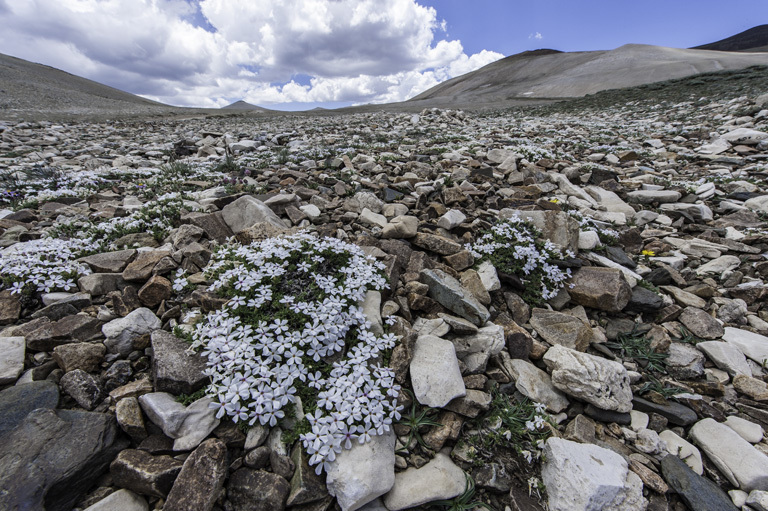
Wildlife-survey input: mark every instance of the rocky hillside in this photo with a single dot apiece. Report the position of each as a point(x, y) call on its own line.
point(753, 40)
point(548, 74)
point(558, 309)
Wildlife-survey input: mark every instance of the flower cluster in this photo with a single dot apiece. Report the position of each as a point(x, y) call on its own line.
point(293, 328)
point(513, 247)
point(42, 265)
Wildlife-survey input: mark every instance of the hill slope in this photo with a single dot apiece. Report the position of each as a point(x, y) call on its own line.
point(753, 40)
point(550, 74)
point(243, 105)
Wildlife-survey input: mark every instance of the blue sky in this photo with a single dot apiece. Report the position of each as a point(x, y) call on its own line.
point(298, 54)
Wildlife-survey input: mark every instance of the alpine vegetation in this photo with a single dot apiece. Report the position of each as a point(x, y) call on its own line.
point(514, 247)
point(292, 329)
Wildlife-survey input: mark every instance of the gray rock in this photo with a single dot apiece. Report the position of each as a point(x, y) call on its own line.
point(306, 485)
point(435, 373)
point(12, 361)
point(748, 430)
point(362, 200)
point(80, 355)
point(130, 418)
point(109, 262)
point(696, 491)
point(449, 293)
point(440, 479)
point(701, 324)
point(174, 368)
point(676, 413)
point(83, 387)
point(121, 500)
point(684, 450)
point(536, 384)
point(248, 211)
point(143, 473)
point(401, 227)
point(604, 289)
point(187, 425)
point(256, 490)
point(699, 212)
point(744, 136)
point(602, 382)
point(122, 332)
point(66, 450)
point(372, 309)
point(726, 356)
point(743, 465)
point(651, 196)
point(201, 479)
point(99, 284)
point(362, 473)
point(684, 361)
point(450, 219)
point(16, 402)
point(561, 329)
point(586, 477)
point(754, 346)
point(475, 350)
point(719, 266)
point(556, 226)
point(758, 500)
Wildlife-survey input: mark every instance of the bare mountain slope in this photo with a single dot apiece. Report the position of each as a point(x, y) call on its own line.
point(549, 74)
point(243, 105)
point(752, 40)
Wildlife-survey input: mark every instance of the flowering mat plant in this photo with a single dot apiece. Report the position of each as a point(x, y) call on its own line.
point(293, 328)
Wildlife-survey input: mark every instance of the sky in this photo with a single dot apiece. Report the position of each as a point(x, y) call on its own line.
point(300, 54)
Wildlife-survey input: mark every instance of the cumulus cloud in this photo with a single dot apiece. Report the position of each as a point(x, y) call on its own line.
point(209, 52)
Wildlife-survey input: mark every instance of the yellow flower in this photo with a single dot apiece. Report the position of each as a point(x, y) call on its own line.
point(648, 253)
point(554, 201)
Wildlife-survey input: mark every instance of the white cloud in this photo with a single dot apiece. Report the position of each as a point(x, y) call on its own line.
point(536, 36)
point(354, 50)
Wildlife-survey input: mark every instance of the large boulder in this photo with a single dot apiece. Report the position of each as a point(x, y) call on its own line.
point(17, 401)
point(54, 456)
point(586, 477)
point(596, 380)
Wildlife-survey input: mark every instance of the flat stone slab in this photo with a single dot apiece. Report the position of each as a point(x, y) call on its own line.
point(726, 356)
point(435, 373)
point(439, 479)
point(754, 346)
point(449, 293)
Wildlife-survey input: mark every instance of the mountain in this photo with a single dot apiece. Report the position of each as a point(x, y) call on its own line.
point(543, 74)
point(753, 40)
point(242, 105)
point(26, 87)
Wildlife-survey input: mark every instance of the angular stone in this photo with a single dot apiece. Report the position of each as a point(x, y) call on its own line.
point(719, 266)
point(743, 465)
point(130, 418)
point(602, 382)
point(10, 307)
point(684, 450)
point(452, 218)
point(83, 387)
point(109, 262)
point(362, 473)
point(248, 211)
point(475, 350)
point(212, 223)
point(435, 373)
point(99, 284)
point(174, 368)
point(401, 227)
point(256, 490)
point(752, 387)
point(754, 346)
point(201, 478)
point(471, 405)
point(701, 324)
point(726, 356)
point(748, 430)
point(696, 491)
point(17, 401)
point(600, 288)
point(453, 296)
point(437, 244)
point(651, 196)
point(556, 226)
point(80, 327)
point(143, 473)
point(562, 329)
point(586, 477)
point(12, 360)
point(676, 413)
point(140, 269)
point(188, 425)
point(122, 332)
point(306, 485)
point(155, 290)
point(536, 385)
point(121, 500)
point(684, 361)
point(440, 479)
point(80, 355)
point(684, 298)
point(65, 450)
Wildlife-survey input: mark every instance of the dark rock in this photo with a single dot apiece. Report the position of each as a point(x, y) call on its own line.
point(10, 307)
point(696, 491)
point(201, 479)
point(644, 300)
point(174, 370)
point(155, 290)
point(83, 387)
point(281, 465)
point(56, 311)
point(143, 473)
point(617, 255)
point(306, 485)
point(494, 477)
point(256, 490)
point(607, 416)
point(600, 288)
point(258, 458)
point(16, 402)
point(53, 457)
point(118, 374)
point(212, 223)
point(677, 414)
point(79, 327)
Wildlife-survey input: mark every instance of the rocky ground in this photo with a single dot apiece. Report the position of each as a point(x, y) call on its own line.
point(621, 365)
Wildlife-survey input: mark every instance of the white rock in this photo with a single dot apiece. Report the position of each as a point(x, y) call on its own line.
point(248, 211)
point(748, 430)
point(612, 202)
point(439, 479)
point(684, 450)
point(12, 359)
point(596, 380)
point(698, 212)
point(588, 240)
point(188, 426)
point(744, 136)
point(121, 500)
point(716, 147)
point(435, 372)
point(452, 218)
point(719, 266)
point(374, 219)
point(743, 465)
point(476, 349)
point(437, 327)
point(639, 420)
point(758, 500)
point(404, 226)
point(312, 211)
point(759, 204)
point(488, 276)
point(372, 310)
point(754, 346)
point(121, 332)
point(362, 473)
point(726, 356)
point(586, 477)
point(650, 196)
point(536, 385)
point(648, 441)
point(738, 497)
